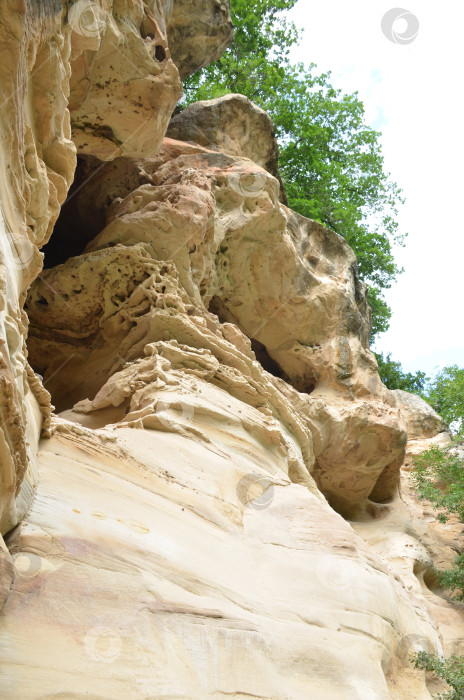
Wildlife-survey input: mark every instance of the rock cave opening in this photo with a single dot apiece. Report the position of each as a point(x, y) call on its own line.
point(266, 360)
point(73, 230)
point(219, 309)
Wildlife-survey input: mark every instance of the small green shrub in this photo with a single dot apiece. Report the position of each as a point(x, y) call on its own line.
point(450, 670)
point(438, 477)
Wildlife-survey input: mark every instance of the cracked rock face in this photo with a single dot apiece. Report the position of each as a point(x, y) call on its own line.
point(207, 351)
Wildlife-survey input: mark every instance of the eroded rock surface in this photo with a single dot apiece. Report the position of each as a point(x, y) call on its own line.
point(127, 63)
point(124, 83)
point(208, 351)
point(149, 576)
point(110, 63)
point(37, 161)
point(285, 282)
point(425, 426)
point(232, 125)
point(198, 32)
point(407, 533)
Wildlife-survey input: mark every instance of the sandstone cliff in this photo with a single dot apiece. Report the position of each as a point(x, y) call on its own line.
point(217, 507)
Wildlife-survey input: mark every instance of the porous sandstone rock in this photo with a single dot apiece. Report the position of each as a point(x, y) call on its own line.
point(425, 426)
point(407, 533)
point(170, 555)
point(198, 32)
point(124, 83)
point(287, 283)
point(127, 63)
point(37, 164)
point(233, 125)
point(108, 63)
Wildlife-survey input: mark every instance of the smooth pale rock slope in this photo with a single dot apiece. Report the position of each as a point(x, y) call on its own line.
point(104, 72)
point(178, 531)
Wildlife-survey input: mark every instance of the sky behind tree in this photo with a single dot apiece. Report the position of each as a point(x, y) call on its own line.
point(412, 91)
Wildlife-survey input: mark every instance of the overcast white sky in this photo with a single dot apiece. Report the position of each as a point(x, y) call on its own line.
point(413, 94)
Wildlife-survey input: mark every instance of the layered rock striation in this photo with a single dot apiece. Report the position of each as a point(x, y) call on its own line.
point(218, 508)
point(285, 283)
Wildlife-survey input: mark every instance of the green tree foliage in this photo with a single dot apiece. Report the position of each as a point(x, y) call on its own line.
point(446, 395)
point(330, 160)
point(438, 477)
point(450, 670)
point(392, 375)
point(453, 578)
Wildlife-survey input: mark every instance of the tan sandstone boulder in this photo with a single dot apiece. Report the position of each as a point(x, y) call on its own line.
point(425, 426)
point(233, 125)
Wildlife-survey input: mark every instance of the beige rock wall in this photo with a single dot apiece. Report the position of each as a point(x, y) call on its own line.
point(286, 282)
point(110, 62)
point(37, 161)
point(207, 350)
point(406, 532)
point(143, 573)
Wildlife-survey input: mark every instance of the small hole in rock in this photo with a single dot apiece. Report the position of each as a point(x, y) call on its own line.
point(160, 54)
point(265, 359)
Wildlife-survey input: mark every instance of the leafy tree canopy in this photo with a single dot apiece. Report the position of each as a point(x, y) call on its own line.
point(438, 477)
point(446, 395)
point(394, 377)
point(330, 159)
